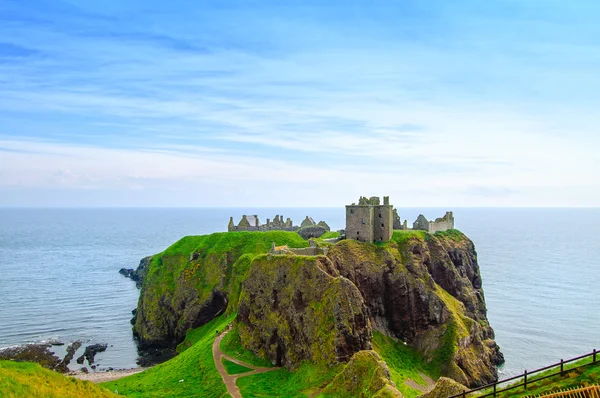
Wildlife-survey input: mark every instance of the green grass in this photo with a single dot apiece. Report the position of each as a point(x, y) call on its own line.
point(26, 379)
point(572, 378)
point(453, 234)
point(195, 366)
point(404, 363)
point(233, 368)
point(330, 235)
point(309, 379)
point(232, 346)
point(403, 236)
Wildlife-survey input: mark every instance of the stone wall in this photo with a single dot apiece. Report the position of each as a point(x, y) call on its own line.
point(442, 224)
point(359, 223)
point(383, 221)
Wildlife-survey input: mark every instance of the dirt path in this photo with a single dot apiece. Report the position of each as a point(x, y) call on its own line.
point(228, 379)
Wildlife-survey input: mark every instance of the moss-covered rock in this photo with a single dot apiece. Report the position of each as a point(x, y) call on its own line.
point(294, 308)
point(426, 290)
point(365, 375)
point(196, 279)
point(444, 388)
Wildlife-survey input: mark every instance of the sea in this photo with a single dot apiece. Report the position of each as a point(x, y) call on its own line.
point(59, 273)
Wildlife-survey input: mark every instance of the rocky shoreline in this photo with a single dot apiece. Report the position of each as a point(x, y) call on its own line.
point(45, 354)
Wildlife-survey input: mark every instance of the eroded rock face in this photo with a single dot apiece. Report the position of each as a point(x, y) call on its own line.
point(295, 308)
point(163, 317)
point(428, 293)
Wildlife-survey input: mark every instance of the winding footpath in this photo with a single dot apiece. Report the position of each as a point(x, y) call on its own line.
point(228, 379)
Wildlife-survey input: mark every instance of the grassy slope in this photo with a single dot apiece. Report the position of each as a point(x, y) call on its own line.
point(195, 365)
point(233, 368)
point(572, 378)
point(404, 363)
point(238, 247)
point(232, 346)
point(25, 379)
point(310, 378)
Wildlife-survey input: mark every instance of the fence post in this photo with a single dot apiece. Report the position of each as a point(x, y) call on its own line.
point(561, 367)
point(525, 380)
point(495, 384)
point(594, 361)
point(464, 394)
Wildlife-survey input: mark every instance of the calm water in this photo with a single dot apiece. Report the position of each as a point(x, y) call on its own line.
point(59, 273)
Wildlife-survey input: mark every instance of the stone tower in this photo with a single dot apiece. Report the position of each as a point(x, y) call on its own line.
point(370, 221)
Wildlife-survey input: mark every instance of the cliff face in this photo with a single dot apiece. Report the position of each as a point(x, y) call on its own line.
point(194, 280)
point(294, 308)
point(423, 289)
point(426, 290)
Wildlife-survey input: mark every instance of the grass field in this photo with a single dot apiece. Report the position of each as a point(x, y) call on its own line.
point(233, 368)
point(404, 363)
point(26, 379)
point(309, 379)
point(195, 366)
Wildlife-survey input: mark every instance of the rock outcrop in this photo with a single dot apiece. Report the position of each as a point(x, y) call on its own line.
point(294, 308)
point(426, 290)
point(444, 388)
point(366, 375)
point(195, 280)
point(137, 275)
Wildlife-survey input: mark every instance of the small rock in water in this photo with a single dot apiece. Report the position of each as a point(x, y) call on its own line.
point(85, 370)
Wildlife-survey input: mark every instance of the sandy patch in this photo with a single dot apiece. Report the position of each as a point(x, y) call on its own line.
point(101, 377)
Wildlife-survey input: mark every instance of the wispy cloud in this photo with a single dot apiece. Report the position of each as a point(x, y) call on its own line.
point(437, 104)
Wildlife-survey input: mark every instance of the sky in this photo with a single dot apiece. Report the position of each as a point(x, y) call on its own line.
point(299, 103)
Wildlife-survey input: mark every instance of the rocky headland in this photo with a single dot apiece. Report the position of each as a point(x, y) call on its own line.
point(421, 289)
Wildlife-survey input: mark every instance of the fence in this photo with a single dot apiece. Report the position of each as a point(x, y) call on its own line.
point(526, 377)
point(581, 392)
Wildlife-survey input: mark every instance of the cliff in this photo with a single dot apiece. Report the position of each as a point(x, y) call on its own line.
point(420, 288)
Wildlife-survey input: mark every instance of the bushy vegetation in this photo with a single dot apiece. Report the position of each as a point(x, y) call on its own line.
point(25, 379)
point(195, 366)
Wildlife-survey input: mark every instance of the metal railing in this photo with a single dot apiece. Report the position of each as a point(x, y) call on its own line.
point(526, 377)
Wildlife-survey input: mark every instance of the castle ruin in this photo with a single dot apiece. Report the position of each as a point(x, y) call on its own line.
point(440, 224)
point(252, 223)
point(370, 221)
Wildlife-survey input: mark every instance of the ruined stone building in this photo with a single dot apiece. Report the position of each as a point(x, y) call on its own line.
point(440, 224)
point(370, 221)
point(252, 223)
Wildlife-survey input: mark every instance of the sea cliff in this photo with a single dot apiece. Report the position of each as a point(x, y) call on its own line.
point(421, 289)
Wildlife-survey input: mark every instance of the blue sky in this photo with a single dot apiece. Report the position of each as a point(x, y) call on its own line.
point(299, 103)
